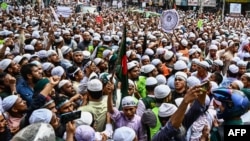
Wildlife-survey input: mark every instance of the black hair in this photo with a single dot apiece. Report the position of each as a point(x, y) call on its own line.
point(218, 77)
point(95, 94)
point(27, 69)
point(71, 70)
point(2, 76)
point(150, 87)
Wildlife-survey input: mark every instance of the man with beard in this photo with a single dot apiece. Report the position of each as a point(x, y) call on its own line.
point(202, 72)
point(101, 64)
point(67, 57)
point(86, 44)
point(78, 58)
point(68, 41)
point(66, 88)
point(16, 108)
point(53, 57)
point(30, 75)
point(10, 67)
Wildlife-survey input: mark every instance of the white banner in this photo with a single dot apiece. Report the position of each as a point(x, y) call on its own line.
point(64, 11)
point(205, 3)
point(235, 8)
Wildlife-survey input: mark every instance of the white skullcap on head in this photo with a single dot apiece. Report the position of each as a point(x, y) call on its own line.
point(218, 62)
point(195, 46)
point(160, 51)
point(130, 82)
point(128, 53)
point(161, 79)
point(131, 65)
point(193, 81)
point(40, 115)
point(149, 52)
point(247, 74)
point(85, 133)
point(128, 101)
point(181, 75)
point(94, 85)
point(161, 91)
point(65, 50)
point(235, 59)
point(105, 53)
point(180, 65)
point(86, 119)
point(124, 134)
point(239, 84)
point(241, 63)
point(151, 81)
point(191, 51)
point(58, 70)
point(204, 64)
point(167, 109)
point(145, 57)
point(233, 68)
point(224, 43)
point(4, 64)
point(97, 61)
point(8, 102)
point(86, 54)
point(156, 62)
point(62, 83)
point(168, 55)
point(213, 47)
point(148, 68)
point(184, 42)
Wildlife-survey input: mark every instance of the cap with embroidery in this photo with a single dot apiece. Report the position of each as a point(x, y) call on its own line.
point(181, 75)
point(65, 50)
point(128, 101)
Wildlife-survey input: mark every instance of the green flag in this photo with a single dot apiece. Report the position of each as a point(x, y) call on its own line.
point(4, 6)
point(122, 61)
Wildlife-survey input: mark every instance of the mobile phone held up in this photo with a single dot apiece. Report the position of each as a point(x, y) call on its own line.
point(205, 86)
point(70, 116)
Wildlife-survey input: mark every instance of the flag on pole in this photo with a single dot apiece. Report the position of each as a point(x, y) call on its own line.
point(122, 61)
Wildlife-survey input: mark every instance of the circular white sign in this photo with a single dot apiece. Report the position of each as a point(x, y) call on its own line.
point(169, 20)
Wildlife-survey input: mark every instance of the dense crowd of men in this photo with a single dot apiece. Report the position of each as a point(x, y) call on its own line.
point(182, 85)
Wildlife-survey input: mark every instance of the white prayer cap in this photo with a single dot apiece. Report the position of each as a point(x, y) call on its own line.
point(180, 65)
point(85, 119)
point(213, 47)
point(168, 55)
point(160, 51)
point(145, 57)
point(218, 62)
point(204, 64)
point(8, 102)
point(233, 68)
point(224, 43)
point(131, 65)
point(181, 75)
point(65, 50)
point(86, 54)
point(94, 85)
point(40, 115)
point(241, 63)
point(156, 62)
point(107, 38)
point(42, 54)
point(128, 101)
point(191, 51)
point(151, 81)
point(29, 47)
point(193, 81)
point(239, 84)
point(58, 70)
point(17, 59)
point(62, 83)
point(161, 91)
point(167, 110)
point(105, 53)
point(184, 42)
point(236, 59)
point(97, 61)
point(96, 38)
point(149, 52)
point(148, 68)
point(47, 65)
point(138, 45)
point(124, 134)
point(128, 53)
point(4, 64)
point(161, 79)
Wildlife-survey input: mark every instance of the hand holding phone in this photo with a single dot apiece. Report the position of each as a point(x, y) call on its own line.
point(205, 86)
point(70, 116)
